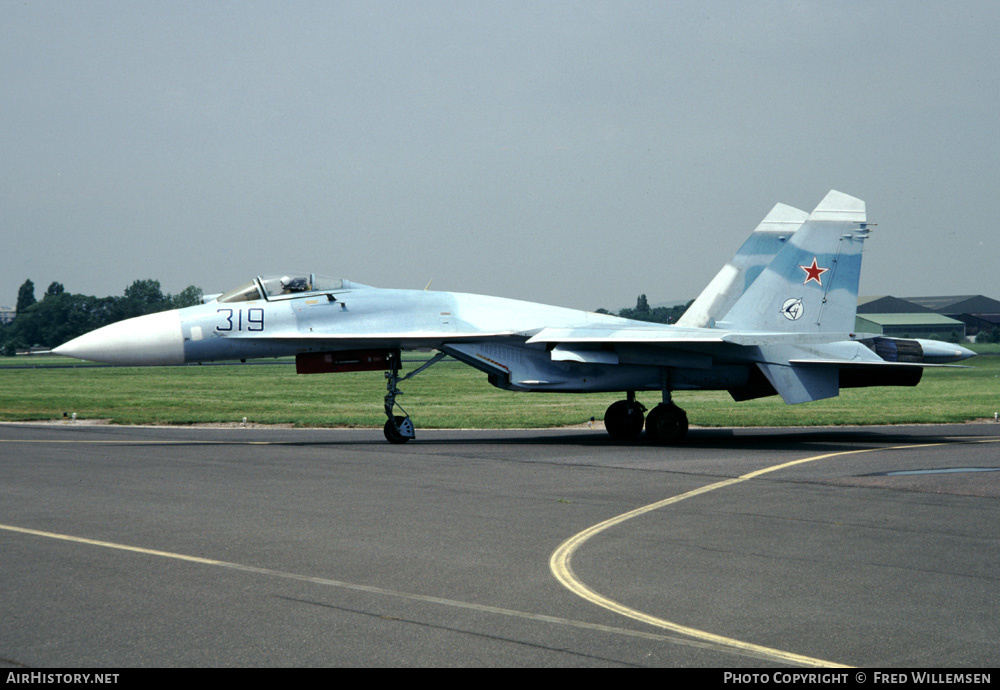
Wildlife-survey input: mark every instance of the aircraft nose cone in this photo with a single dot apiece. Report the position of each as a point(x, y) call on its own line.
point(149, 339)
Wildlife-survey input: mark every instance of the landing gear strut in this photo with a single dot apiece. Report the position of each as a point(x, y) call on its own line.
point(399, 428)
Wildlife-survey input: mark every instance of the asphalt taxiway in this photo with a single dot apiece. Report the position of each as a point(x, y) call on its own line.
point(154, 546)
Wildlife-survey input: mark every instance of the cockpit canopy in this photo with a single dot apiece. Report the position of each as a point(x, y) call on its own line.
point(281, 286)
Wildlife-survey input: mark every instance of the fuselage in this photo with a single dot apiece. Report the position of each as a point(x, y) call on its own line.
point(521, 345)
point(348, 317)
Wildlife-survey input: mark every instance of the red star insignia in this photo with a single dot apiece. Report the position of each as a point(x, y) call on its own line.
point(813, 272)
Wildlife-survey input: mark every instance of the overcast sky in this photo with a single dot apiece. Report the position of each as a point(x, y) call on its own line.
point(573, 153)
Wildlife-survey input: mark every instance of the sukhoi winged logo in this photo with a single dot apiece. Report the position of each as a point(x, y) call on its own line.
point(792, 308)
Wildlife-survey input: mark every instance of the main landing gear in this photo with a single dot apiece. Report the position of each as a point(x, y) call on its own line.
point(665, 424)
point(399, 428)
point(624, 419)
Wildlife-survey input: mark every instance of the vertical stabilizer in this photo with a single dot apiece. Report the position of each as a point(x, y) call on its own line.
point(736, 276)
point(811, 284)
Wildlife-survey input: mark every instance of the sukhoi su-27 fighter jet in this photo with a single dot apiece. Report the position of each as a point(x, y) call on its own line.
point(778, 319)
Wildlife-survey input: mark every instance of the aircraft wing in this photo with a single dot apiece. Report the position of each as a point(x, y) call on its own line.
point(666, 335)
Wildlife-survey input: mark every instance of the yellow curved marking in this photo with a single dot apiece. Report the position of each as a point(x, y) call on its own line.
point(560, 566)
point(481, 608)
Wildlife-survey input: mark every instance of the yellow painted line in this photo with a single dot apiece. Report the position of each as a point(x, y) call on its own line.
point(481, 608)
point(560, 561)
point(148, 442)
point(110, 545)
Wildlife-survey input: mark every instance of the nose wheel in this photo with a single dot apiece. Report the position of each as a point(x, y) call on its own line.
point(398, 429)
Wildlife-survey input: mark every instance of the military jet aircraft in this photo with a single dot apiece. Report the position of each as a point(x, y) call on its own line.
point(778, 319)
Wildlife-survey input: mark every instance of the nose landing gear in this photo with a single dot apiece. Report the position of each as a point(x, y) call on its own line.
point(399, 428)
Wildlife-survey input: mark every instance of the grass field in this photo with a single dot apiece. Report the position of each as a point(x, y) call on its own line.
point(448, 395)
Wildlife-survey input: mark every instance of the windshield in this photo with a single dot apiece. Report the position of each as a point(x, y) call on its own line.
point(282, 285)
point(244, 293)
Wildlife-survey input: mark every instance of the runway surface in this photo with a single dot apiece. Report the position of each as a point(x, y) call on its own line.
point(155, 546)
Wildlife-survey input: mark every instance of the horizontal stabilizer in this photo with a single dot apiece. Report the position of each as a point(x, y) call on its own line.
point(796, 384)
point(875, 365)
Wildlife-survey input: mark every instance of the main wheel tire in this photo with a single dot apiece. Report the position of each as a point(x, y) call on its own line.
point(667, 424)
point(623, 420)
point(391, 430)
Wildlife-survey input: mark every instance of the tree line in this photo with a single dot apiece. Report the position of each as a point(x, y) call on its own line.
point(60, 316)
point(643, 312)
